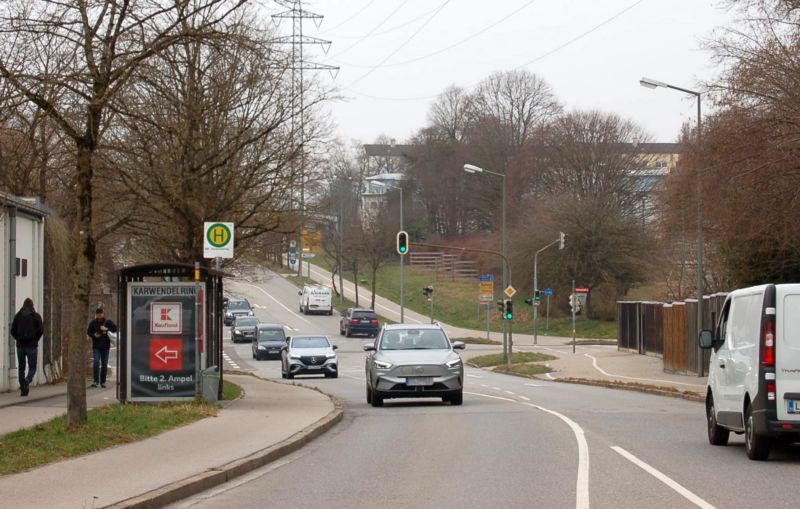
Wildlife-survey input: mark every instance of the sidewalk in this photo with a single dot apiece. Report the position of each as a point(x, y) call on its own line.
point(601, 364)
point(272, 417)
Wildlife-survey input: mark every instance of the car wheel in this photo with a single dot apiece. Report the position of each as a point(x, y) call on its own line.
point(330, 313)
point(333, 375)
point(455, 399)
point(717, 435)
point(369, 395)
point(377, 399)
point(756, 446)
point(347, 333)
point(305, 310)
point(341, 331)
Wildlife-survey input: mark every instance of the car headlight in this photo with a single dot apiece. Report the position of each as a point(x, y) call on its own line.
point(250, 313)
point(228, 314)
point(237, 331)
point(330, 356)
point(453, 364)
point(381, 364)
point(295, 357)
point(262, 347)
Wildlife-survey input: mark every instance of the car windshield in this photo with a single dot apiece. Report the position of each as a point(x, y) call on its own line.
point(310, 343)
point(363, 314)
point(246, 321)
point(414, 339)
point(238, 305)
point(270, 335)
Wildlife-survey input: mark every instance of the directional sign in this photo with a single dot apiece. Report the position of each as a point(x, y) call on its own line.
point(548, 292)
point(510, 291)
point(161, 340)
point(308, 255)
point(166, 354)
point(582, 290)
point(218, 240)
point(486, 278)
point(486, 289)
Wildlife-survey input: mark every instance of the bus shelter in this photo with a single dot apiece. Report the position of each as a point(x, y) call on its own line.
point(170, 331)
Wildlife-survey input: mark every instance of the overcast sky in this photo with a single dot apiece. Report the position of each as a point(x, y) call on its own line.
point(396, 56)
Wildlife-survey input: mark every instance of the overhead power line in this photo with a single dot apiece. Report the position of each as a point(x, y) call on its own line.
point(389, 30)
point(402, 45)
point(447, 48)
point(529, 62)
point(349, 18)
point(375, 28)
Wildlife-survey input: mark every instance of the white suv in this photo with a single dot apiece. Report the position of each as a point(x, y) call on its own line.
point(754, 376)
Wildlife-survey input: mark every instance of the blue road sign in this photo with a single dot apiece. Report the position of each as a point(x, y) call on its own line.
point(292, 249)
point(548, 292)
point(487, 278)
point(292, 258)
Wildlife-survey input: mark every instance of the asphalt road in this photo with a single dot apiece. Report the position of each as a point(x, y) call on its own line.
point(514, 443)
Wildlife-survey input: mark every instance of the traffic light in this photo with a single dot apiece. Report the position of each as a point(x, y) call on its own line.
point(529, 302)
point(501, 308)
point(562, 240)
point(508, 309)
point(402, 242)
point(537, 295)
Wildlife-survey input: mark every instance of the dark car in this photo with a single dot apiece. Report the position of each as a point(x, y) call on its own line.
point(237, 307)
point(244, 329)
point(359, 321)
point(270, 338)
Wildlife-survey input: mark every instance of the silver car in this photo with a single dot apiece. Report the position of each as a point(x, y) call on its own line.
point(414, 361)
point(309, 355)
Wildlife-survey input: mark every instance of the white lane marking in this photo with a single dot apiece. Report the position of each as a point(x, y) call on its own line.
point(473, 376)
point(360, 379)
point(497, 388)
point(510, 393)
point(582, 483)
point(688, 495)
point(484, 385)
point(377, 304)
point(548, 375)
point(281, 304)
point(524, 398)
point(535, 385)
point(230, 361)
point(606, 373)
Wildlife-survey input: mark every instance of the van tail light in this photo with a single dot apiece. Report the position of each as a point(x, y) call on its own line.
point(353, 321)
point(375, 322)
point(771, 391)
point(768, 342)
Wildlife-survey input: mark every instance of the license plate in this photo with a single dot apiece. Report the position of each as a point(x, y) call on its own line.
point(419, 380)
point(364, 321)
point(315, 367)
point(272, 351)
point(793, 406)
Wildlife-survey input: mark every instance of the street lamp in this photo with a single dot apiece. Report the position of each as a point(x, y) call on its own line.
point(651, 83)
point(402, 278)
point(471, 168)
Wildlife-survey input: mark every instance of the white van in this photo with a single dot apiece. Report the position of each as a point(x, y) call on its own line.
point(316, 299)
point(754, 376)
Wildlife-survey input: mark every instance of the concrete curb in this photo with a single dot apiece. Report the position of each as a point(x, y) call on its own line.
point(195, 484)
point(613, 384)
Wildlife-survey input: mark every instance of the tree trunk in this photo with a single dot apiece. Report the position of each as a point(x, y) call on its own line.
point(355, 281)
point(81, 284)
point(374, 277)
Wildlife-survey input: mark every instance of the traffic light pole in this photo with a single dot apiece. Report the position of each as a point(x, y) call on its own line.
point(536, 288)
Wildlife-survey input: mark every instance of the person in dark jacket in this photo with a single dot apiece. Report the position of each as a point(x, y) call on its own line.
point(101, 345)
point(27, 330)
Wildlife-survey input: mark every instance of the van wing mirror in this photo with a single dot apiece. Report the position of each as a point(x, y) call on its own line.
point(299, 292)
point(706, 339)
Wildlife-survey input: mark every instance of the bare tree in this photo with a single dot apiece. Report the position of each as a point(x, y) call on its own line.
point(72, 59)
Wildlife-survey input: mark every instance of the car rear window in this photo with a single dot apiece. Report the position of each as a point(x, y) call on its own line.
point(364, 314)
point(271, 335)
point(238, 305)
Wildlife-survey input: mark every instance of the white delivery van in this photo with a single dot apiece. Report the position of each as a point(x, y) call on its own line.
point(754, 375)
point(316, 299)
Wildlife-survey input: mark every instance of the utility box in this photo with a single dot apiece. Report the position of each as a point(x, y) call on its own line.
point(210, 380)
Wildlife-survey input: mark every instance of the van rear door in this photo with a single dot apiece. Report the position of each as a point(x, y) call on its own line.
point(787, 355)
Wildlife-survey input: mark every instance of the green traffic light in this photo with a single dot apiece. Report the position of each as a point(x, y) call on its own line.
point(509, 316)
point(402, 249)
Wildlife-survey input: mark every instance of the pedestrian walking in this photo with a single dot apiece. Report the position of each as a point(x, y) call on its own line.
point(27, 330)
point(101, 345)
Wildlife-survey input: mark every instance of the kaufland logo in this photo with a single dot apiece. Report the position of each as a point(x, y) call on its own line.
point(165, 318)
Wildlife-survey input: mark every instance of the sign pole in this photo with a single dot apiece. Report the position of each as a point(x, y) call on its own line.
point(547, 321)
point(574, 305)
point(488, 318)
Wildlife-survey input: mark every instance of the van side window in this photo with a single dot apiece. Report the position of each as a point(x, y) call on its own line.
point(723, 322)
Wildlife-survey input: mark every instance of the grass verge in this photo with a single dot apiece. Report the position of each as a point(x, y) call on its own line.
point(526, 370)
point(231, 391)
point(494, 359)
point(106, 427)
point(456, 303)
